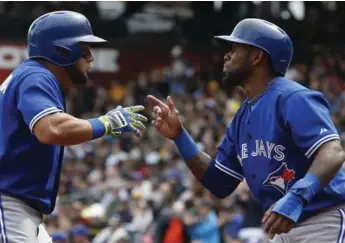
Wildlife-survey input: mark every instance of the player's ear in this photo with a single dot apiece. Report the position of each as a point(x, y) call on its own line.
point(257, 56)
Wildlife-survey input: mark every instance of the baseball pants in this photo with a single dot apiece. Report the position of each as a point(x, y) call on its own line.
point(325, 227)
point(20, 223)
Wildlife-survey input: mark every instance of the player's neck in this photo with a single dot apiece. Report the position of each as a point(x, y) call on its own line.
point(65, 82)
point(59, 74)
point(254, 87)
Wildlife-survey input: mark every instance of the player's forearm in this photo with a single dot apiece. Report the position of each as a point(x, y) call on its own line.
point(325, 166)
point(328, 161)
point(72, 131)
point(64, 129)
point(197, 161)
point(199, 164)
point(204, 169)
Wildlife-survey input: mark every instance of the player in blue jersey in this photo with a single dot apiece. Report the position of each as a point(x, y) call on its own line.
point(34, 125)
point(282, 141)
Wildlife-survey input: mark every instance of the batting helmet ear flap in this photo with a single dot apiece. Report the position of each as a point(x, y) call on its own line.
point(63, 51)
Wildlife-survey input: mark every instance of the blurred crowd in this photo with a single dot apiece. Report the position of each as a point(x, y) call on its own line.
point(137, 190)
point(191, 23)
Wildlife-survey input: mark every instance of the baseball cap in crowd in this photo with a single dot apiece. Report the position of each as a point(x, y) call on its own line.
point(172, 174)
point(80, 230)
point(59, 236)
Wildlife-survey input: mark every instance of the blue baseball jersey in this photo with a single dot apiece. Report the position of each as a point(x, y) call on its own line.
point(272, 143)
point(29, 170)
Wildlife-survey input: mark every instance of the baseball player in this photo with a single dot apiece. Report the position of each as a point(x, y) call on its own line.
point(282, 141)
point(34, 125)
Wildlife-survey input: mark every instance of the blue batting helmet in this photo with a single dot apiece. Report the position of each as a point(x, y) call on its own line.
point(56, 37)
point(268, 37)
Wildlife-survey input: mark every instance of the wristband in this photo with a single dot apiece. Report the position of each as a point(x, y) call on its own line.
point(98, 129)
point(186, 145)
point(290, 206)
point(307, 187)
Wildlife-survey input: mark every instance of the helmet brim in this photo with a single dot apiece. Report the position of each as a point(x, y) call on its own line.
point(92, 40)
point(228, 39)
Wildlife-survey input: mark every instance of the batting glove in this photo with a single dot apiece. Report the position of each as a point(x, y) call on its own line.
point(122, 120)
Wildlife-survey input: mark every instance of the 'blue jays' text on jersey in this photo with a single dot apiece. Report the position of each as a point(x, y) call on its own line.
point(29, 170)
point(272, 143)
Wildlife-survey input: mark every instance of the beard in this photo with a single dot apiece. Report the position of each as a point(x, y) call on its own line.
point(236, 77)
point(75, 75)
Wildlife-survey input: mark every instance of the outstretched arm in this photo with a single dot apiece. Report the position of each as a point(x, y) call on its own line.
point(40, 102)
point(199, 164)
point(63, 129)
point(220, 175)
point(220, 183)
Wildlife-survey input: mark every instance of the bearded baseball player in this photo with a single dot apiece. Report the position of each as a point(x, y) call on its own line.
point(34, 125)
point(282, 141)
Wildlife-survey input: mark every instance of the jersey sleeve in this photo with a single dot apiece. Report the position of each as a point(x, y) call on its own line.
point(225, 172)
point(38, 96)
point(226, 159)
point(306, 113)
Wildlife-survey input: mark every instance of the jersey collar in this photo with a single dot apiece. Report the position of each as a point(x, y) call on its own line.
point(261, 94)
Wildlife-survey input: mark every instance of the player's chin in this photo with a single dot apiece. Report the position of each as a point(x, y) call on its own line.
point(85, 76)
point(82, 79)
point(228, 80)
point(235, 78)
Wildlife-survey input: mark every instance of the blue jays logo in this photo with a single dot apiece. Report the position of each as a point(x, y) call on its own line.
point(280, 178)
